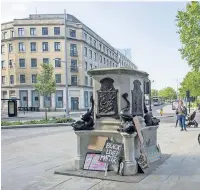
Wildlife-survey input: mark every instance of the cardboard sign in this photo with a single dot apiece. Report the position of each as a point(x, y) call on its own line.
point(111, 152)
point(97, 143)
point(137, 126)
point(153, 153)
point(92, 163)
point(142, 161)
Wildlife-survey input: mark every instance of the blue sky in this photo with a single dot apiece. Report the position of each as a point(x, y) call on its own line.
point(148, 28)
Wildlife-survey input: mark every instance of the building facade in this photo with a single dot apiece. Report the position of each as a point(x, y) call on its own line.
point(28, 42)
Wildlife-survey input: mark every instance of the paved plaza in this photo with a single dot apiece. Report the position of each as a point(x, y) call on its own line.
point(30, 157)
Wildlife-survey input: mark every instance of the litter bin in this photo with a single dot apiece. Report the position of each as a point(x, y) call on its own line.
point(12, 108)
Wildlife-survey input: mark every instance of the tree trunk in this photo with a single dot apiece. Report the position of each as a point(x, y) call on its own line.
point(45, 108)
point(45, 113)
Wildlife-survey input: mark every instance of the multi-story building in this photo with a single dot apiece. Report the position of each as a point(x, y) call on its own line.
point(28, 42)
point(126, 52)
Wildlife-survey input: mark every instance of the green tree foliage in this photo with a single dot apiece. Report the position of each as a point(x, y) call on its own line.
point(154, 92)
point(191, 82)
point(168, 93)
point(46, 84)
point(188, 23)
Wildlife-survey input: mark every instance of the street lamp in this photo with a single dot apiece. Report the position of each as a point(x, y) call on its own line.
point(150, 94)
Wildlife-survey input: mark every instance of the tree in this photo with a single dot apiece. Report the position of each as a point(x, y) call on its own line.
point(191, 82)
point(188, 23)
point(46, 84)
point(167, 93)
point(154, 92)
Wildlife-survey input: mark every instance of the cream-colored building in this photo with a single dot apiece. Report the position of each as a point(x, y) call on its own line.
point(28, 42)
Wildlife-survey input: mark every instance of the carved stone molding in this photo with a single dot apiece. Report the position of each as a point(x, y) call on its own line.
point(137, 99)
point(107, 99)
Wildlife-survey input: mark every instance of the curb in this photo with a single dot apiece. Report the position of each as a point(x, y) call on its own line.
point(164, 116)
point(36, 125)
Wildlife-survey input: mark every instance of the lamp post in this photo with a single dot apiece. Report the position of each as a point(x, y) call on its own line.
point(150, 94)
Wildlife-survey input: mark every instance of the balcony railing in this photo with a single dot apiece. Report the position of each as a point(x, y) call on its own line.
point(74, 69)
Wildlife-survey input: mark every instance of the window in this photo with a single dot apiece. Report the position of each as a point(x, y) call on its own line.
point(113, 64)
point(11, 63)
point(91, 82)
point(86, 80)
point(45, 46)
point(100, 47)
point(73, 80)
point(90, 53)
point(32, 31)
point(95, 56)
point(90, 40)
point(86, 99)
point(33, 62)
point(59, 99)
point(2, 49)
point(11, 79)
point(22, 79)
point(110, 53)
point(34, 78)
point(10, 48)
point(3, 79)
point(95, 43)
point(73, 50)
point(22, 63)
point(44, 31)
point(86, 66)
point(3, 65)
point(85, 36)
point(57, 46)
point(85, 51)
point(46, 60)
point(107, 51)
point(90, 66)
point(33, 46)
point(21, 47)
point(56, 30)
point(57, 62)
point(20, 31)
point(11, 33)
point(107, 63)
point(103, 48)
point(100, 59)
point(4, 35)
point(72, 33)
point(58, 78)
point(110, 64)
point(74, 67)
point(104, 60)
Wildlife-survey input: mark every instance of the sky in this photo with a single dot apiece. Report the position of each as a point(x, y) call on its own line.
point(147, 28)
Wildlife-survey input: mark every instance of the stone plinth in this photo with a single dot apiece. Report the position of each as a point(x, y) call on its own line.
point(109, 84)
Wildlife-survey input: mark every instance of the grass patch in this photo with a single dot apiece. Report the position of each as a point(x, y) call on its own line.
point(42, 121)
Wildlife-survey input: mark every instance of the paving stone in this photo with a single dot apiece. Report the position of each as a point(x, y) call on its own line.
point(76, 183)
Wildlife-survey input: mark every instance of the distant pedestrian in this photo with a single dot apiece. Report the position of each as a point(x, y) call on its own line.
point(182, 113)
point(177, 118)
point(161, 111)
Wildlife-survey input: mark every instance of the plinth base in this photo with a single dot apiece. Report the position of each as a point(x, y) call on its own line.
point(111, 175)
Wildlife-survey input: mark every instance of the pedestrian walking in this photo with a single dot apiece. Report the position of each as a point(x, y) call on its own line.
point(177, 118)
point(182, 113)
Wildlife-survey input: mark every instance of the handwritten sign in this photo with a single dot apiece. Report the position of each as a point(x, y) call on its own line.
point(92, 162)
point(111, 152)
point(142, 161)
